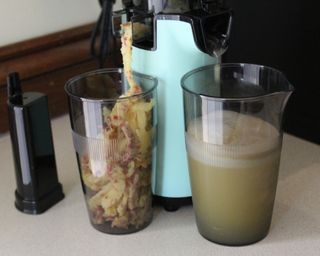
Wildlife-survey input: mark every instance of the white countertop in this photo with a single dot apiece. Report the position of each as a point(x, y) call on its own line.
point(65, 229)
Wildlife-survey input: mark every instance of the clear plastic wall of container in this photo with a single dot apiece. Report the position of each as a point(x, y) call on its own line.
point(233, 130)
point(114, 134)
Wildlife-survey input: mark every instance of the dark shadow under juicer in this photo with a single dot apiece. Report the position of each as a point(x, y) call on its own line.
point(38, 187)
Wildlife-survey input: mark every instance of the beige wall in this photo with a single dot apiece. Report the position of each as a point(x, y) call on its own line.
point(25, 19)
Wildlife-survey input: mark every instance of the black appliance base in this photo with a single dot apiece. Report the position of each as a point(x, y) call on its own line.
point(171, 204)
point(41, 205)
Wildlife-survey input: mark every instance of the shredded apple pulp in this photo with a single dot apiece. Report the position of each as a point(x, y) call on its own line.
point(122, 195)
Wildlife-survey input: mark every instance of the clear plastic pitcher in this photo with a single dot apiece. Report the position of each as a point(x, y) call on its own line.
point(114, 135)
point(233, 132)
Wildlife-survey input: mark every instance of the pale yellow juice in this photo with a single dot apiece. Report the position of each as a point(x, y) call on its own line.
point(234, 179)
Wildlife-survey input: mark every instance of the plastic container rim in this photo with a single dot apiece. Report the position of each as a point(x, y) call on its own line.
point(108, 100)
point(229, 65)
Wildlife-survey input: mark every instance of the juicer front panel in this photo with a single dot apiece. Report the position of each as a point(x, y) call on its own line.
point(176, 53)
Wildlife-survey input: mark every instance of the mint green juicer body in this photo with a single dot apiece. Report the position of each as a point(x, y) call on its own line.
point(175, 53)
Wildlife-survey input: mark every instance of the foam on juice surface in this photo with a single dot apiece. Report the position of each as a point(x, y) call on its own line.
point(229, 139)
